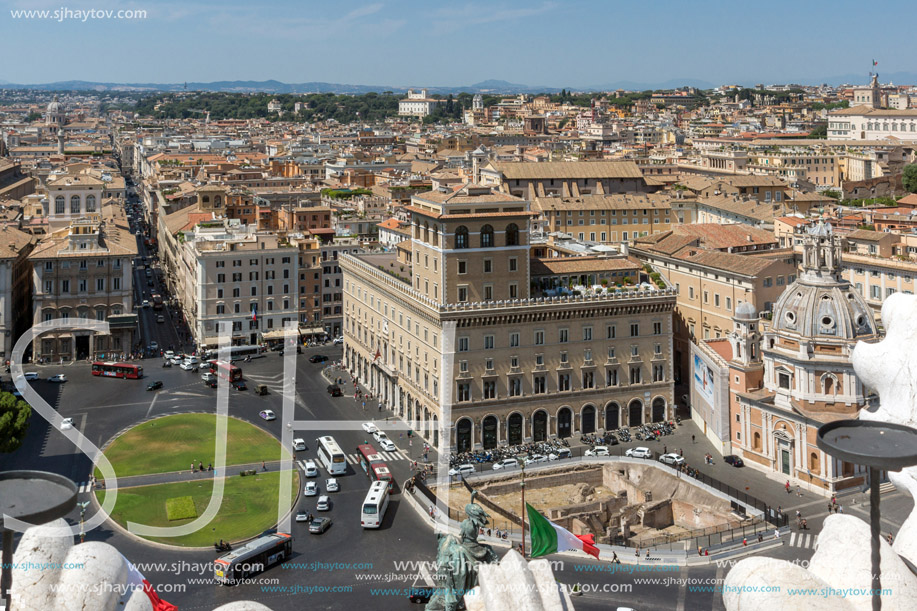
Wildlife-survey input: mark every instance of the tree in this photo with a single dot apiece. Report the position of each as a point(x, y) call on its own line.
point(820, 131)
point(14, 421)
point(909, 178)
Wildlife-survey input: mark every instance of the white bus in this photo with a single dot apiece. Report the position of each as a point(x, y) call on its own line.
point(331, 455)
point(237, 353)
point(374, 505)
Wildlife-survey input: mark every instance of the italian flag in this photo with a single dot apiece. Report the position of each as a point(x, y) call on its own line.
point(549, 538)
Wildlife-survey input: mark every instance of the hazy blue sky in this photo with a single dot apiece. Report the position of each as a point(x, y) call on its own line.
point(559, 43)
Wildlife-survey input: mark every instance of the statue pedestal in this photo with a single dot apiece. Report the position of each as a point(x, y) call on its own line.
point(514, 584)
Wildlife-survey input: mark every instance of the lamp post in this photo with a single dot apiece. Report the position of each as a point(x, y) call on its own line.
point(35, 497)
point(877, 445)
point(521, 462)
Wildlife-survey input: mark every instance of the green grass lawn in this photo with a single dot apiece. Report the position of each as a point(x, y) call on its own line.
point(172, 443)
point(249, 507)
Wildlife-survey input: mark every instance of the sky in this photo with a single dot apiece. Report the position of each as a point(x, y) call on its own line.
point(553, 43)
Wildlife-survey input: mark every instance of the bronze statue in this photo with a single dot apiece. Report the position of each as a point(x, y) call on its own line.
point(457, 560)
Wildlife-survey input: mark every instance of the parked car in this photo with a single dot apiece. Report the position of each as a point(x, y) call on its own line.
point(299, 444)
point(387, 445)
point(463, 470)
point(31, 375)
point(267, 414)
point(369, 427)
point(66, 423)
point(535, 459)
point(640, 452)
point(506, 463)
point(311, 489)
point(597, 451)
point(310, 469)
point(319, 525)
point(672, 459)
point(59, 378)
point(154, 385)
point(335, 391)
point(238, 384)
point(317, 358)
point(324, 503)
point(560, 453)
point(331, 485)
point(732, 459)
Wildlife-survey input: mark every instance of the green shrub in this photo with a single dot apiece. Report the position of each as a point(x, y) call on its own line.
point(180, 508)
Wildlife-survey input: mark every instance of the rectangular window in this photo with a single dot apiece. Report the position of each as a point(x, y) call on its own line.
point(563, 381)
point(610, 332)
point(513, 264)
point(462, 267)
point(611, 377)
point(634, 329)
point(513, 340)
point(490, 389)
point(716, 300)
point(634, 375)
point(657, 328)
point(690, 292)
point(658, 373)
point(463, 392)
point(488, 292)
point(563, 358)
point(587, 334)
point(515, 387)
point(488, 342)
point(463, 344)
point(463, 293)
point(488, 266)
point(562, 336)
point(729, 303)
point(539, 338)
point(588, 379)
point(538, 385)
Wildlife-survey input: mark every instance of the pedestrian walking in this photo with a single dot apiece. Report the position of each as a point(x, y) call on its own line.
point(192, 467)
point(840, 509)
point(665, 449)
point(647, 554)
point(200, 466)
point(787, 486)
point(364, 406)
point(615, 560)
point(692, 439)
point(263, 466)
point(744, 542)
point(776, 533)
point(637, 552)
point(890, 538)
point(798, 491)
point(805, 524)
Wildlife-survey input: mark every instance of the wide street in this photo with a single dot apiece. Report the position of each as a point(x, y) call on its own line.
point(102, 407)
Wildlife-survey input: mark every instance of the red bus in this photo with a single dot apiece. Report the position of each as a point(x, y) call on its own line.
point(225, 370)
point(117, 370)
point(373, 464)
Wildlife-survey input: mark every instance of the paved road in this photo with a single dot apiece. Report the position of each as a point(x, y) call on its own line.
point(101, 408)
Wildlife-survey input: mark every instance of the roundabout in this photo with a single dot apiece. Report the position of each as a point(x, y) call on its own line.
point(153, 489)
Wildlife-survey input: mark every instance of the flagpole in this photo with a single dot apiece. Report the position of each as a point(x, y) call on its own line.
point(522, 466)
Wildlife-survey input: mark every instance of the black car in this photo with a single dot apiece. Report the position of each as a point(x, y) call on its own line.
point(318, 358)
point(420, 596)
point(210, 383)
point(154, 385)
point(335, 391)
point(239, 385)
point(733, 460)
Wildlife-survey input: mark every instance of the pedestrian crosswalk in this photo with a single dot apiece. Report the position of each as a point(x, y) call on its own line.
point(804, 540)
point(84, 487)
point(354, 459)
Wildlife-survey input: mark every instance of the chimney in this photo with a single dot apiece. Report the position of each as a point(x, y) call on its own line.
point(748, 236)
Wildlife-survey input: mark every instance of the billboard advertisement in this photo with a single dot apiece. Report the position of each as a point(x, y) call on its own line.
point(703, 380)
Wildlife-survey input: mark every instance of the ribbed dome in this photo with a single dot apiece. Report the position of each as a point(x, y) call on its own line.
point(823, 311)
point(54, 106)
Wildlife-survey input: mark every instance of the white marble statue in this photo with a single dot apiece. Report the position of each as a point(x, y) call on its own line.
point(102, 583)
point(840, 572)
point(516, 585)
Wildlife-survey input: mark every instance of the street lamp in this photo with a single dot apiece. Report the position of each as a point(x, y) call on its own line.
point(877, 445)
point(35, 497)
point(521, 461)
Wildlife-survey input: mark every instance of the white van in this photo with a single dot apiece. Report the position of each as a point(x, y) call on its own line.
point(299, 445)
point(463, 470)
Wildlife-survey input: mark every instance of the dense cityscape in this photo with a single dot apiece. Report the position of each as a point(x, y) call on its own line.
point(493, 324)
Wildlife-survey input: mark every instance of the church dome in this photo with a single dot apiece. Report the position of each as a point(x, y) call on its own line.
point(746, 311)
point(822, 304)
point(54, 106)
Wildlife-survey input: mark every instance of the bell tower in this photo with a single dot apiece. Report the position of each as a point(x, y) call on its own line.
point(745, 338)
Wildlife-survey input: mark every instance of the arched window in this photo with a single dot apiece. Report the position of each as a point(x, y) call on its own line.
point(461, 237)
point(487, 236)
point(60, 205)
point(756, 441)
point(512, 235)
point(75, 204)
point(90, 203)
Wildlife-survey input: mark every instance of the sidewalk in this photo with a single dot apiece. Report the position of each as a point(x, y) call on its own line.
point(185, 476)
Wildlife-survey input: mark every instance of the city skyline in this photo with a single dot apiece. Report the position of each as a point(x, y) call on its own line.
point(403, 44)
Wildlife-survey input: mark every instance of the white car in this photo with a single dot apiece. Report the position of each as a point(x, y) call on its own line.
point(597, 451)
point(331, 485)
point(369, 427)
point(462, 470)
point(267, 414)
point(66, 423)
point(536, 458)
point(386, 444)
point(506, 463)
point(176, 360)
point(192, 359)
point(31, 375)
point(154, 345)
point(640, 452)
point(208, 376)
point(188, 366)
point(379, 436)
point(560, 453)
point(299, 444)
point(324, 503)
point(145, 304)
point(169, 354)
point(58, 378)
point(311, 489)
point(672, 459)
point(338, 341)
point(310, 469)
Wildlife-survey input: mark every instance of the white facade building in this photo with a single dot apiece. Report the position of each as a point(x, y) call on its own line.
point(417, 104)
